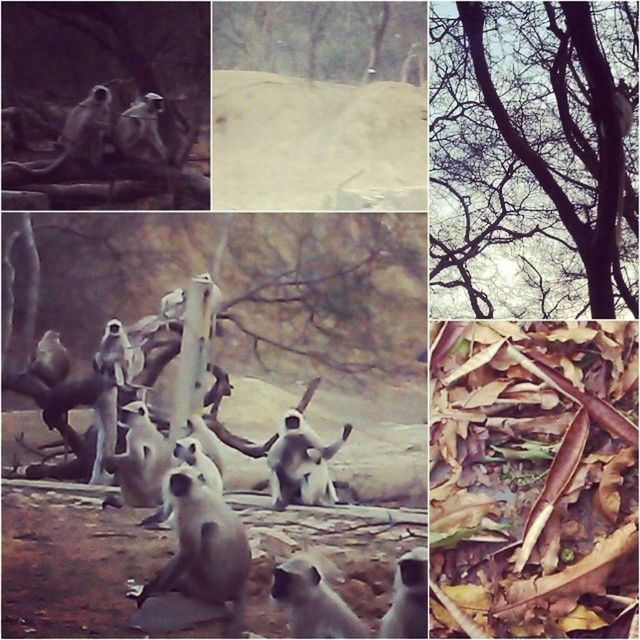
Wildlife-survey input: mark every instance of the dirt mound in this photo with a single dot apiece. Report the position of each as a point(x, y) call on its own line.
point(285, 143)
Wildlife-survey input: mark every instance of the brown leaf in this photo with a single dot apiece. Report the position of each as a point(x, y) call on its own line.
point(608, 496)
point(602, 412)
point(486, 395)
point(589, 575)
point(448, 336)
point(561, 471)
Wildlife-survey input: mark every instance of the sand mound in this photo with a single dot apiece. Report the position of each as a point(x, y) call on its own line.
point(284, 143)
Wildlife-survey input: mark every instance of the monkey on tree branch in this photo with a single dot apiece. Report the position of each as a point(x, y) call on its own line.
point(46, 382)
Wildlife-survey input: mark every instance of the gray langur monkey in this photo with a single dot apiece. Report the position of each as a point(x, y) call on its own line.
point(315, 610)
point(173, 304)
point(190, 451)
point(116, 356)
point(140, 470)
point(624, 110)
point(51, 362)
point(187, 451)
point(298, 464)
point(213, 560)
point(407, 617)
point(83, 132)
point(208, 439)
point(136, 133)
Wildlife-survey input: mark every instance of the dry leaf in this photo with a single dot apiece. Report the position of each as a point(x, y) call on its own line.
point(588, 575)
point(608, 496)
point(581, 618)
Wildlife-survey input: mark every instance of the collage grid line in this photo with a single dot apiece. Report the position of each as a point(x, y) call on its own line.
point(236, 235)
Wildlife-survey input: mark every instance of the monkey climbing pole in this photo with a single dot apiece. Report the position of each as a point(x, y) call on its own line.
point(203, 300)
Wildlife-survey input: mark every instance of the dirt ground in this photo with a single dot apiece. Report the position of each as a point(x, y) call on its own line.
point(285, 143)
point(66, 562)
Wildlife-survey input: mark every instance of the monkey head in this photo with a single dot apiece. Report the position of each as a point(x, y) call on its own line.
point(294, 579)
point(51, 336)
point(114, 327)
point(136, 414)
point(154, 101)
point(187, 449)
point(101, 93)
point(292, 422)
point(186, 483)
point(412, 570)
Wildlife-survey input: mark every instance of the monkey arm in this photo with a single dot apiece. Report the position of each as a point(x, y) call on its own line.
point(207, 533)
point(114, 462)
point(173, 570)
point(156, 143)
point(329, 451)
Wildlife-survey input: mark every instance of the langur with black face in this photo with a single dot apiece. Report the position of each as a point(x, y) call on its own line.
point(186, 452)
point(140, 470)
point(214, 557)
point(298, 464)
point(116, 356)
point(137, 135)
point(407, 617)
point(211, 445)
point(83, 134)
point(315, 610)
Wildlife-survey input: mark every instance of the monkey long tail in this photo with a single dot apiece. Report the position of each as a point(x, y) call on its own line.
point(40, 172)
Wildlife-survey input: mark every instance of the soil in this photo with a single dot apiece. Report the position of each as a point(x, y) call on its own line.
point(66, 562)
point(283, 143)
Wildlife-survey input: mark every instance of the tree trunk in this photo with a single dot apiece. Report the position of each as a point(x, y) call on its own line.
point(32, 293)
point(378, 34)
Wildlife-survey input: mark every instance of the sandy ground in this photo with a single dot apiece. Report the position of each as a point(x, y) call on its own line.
point(66, 562)
point(282, 143)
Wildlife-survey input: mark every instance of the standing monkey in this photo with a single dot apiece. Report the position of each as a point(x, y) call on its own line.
point(116, 356)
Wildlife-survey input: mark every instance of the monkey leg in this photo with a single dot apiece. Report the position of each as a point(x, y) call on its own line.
point(174, 569)
point(236, 626)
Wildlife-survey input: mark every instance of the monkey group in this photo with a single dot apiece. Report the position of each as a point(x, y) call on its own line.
point(183, 480)
point(88, 126)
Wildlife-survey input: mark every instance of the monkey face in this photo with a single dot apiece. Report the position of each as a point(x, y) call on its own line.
point(155, 102)
point(179, 484)
point(292, 422)
point(186, 451)
point(294, 585)
point(113, 328)
point(101, 94)
point(281, 584)
point(413, 573)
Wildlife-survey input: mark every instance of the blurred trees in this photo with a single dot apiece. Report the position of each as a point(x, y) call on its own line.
point(57, 51)
point(343, 291)
point(524, 184)
point(317, 40)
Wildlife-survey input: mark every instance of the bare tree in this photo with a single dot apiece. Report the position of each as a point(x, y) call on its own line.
point(524, 148)
point(378, 24)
